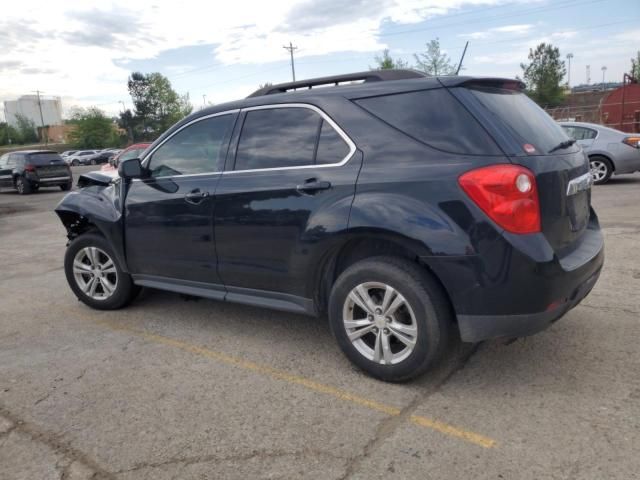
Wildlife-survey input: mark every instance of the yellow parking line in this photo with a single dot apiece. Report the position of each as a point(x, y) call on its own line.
point(425, 422)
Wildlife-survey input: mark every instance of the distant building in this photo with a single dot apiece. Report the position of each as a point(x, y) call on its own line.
point(27, 105)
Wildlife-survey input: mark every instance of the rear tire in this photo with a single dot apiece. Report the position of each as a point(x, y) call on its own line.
point(601, 169)
point(407, 316)
point(94, 275)
point(75, 163)
point(23, 186)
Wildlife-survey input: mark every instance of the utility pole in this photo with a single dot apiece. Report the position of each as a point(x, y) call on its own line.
point(204, 100)
point(46, 137)
point(569, 57)
point(291, 48)
point(604, 69)
point(588, 74)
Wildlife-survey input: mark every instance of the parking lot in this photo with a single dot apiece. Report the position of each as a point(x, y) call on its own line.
point(174, 387)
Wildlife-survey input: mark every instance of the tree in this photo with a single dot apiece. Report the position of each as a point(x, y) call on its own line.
point(9, 135)
point(433, 61)
point(543, 75)
point(387, 62)
point(635, 67)
point(157, 105)
point(93, 129)
point(27, 129)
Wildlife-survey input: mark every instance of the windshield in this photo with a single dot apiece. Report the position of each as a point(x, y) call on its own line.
point(529, 123)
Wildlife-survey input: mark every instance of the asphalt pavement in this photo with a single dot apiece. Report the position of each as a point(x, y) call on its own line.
point(176, 388)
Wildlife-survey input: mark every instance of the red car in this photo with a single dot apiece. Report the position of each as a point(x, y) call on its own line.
point(132, 151)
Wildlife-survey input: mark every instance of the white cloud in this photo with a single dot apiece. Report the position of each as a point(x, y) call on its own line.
point(69, 48)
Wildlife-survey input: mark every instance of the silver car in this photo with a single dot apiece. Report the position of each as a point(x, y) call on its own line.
point(610, 151)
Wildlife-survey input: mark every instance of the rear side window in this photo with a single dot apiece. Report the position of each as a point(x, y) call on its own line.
point(527, 122)
point(433, 117)
point(45, 158)
point(278, 137)
point(331, 146)
point(580, 133)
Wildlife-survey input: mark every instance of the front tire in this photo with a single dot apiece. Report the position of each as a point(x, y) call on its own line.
point(390, 317)
point(95, 276)
point(75, 163)
point(601, 169)
point(65, 187)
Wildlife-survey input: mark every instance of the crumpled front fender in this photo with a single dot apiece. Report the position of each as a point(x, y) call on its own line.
point(95, 207)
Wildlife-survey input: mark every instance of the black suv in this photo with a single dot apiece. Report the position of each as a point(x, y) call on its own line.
point(28, 170)
point(403, 207)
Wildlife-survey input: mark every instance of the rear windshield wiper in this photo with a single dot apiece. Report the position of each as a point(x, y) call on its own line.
point(561, 145)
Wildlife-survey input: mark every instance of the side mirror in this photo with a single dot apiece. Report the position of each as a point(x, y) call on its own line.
point(131, 168)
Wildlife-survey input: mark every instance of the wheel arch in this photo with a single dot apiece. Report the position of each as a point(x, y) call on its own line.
point(80, 213)
point(605, 156)
point(359, 246)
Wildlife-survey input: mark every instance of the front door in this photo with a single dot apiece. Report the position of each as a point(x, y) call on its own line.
point(169, 215)
point(287, 188)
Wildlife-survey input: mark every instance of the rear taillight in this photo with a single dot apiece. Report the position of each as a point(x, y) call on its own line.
point(30, 168)
point(507, 194)
point(632, 141)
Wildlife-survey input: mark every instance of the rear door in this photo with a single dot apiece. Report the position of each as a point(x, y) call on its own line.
point(534, 140)
point(288, 185)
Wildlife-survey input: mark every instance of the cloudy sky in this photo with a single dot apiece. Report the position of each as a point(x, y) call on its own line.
point(84, 50)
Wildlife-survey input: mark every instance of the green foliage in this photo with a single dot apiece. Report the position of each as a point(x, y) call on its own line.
point(433, 61)
point(635, 67)
point(27, 129)
point(93, 129)
point(7, 132)
point(387, 62)
point(157, 105)
point(543, 75)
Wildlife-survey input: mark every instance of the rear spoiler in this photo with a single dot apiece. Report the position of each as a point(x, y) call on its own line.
point(495, 82)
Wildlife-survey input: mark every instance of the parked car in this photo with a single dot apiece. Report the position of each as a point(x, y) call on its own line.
point(28, 170)
point(406, 208)
point(610, 151)
point(132, 151)
point(82, 157)
point(104, 156)
point(67, 153)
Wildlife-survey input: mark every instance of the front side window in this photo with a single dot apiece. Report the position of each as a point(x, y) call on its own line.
point(288, 137)
point(198, 148)
point(133, 153)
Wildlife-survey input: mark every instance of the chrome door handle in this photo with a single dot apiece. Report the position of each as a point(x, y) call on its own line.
point(196, 196)
point(313, 185)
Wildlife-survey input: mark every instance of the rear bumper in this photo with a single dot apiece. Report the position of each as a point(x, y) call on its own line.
point(518, 285)
point(475, 328)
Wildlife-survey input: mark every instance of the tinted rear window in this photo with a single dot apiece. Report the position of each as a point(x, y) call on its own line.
point(45, 158)
point(433, 117)
point(527, 122)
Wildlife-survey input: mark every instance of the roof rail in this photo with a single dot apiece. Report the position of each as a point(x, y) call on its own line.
point(370, 76)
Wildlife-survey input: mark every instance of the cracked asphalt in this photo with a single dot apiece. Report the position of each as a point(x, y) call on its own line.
point(175, 388)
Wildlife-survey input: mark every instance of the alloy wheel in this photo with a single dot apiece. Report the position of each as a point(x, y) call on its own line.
point(380, 323)
point(599, 170)
point(95, 273)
